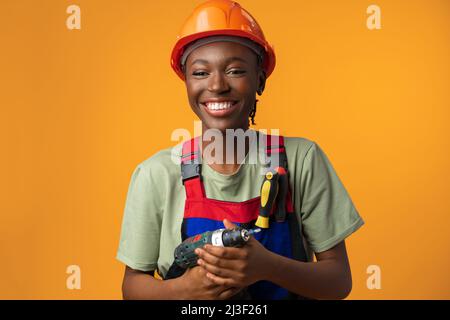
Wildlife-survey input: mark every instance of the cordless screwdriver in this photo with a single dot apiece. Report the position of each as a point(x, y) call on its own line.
point(185, 256)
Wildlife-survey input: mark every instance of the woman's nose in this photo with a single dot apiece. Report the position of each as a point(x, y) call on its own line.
point(218, 83)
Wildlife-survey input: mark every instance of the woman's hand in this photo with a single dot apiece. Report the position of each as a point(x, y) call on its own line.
point(195, 285)
point(234, 267)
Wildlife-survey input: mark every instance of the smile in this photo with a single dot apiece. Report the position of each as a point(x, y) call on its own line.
point(221, 108)
point(219, 105)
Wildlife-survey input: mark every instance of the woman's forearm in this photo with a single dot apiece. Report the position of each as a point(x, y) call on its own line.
point(139, 286)
point(326, 279)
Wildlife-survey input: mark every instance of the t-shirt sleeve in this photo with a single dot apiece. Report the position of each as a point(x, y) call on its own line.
point(140, 233)
point(328, 213)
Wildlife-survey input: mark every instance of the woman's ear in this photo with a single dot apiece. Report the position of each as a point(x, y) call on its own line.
point(261, 82)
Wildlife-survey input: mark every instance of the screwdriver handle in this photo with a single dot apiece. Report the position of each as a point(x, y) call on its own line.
point(269, 190)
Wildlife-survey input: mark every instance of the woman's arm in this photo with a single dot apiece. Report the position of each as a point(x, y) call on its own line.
point(193, 284)
point(138, 285)
point(328, 278)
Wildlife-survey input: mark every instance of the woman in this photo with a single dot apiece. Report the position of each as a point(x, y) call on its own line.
point(224, 59)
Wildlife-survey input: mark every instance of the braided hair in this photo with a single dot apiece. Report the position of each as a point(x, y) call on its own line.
point(253, 113)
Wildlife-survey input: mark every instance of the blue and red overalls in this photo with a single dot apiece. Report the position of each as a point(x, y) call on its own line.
point(202, 214)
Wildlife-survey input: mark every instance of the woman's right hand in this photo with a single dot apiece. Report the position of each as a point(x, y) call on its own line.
point(197, 286)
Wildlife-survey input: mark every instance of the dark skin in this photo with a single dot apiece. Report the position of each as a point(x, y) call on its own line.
point(223, 272)
point(223, 70)
point(228, 71)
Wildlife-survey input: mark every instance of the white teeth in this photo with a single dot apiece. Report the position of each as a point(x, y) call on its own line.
point(219, 105)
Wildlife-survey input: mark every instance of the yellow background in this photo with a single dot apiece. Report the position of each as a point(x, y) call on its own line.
point(81, 108)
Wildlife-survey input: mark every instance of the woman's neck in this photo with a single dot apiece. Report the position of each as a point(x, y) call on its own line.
point(227, 155)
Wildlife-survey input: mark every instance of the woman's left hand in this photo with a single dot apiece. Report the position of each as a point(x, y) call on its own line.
point(237, 267)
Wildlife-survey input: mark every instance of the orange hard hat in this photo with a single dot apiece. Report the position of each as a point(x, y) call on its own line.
point(216, 18)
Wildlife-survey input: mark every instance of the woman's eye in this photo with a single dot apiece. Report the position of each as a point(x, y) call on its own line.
point(236, 71)
point(199, 73)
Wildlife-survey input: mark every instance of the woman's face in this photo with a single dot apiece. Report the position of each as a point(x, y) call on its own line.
point(222, 79)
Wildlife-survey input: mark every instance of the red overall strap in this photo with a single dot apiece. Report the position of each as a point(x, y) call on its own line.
point(275, 147)
point(274, 144)
point(191, 169)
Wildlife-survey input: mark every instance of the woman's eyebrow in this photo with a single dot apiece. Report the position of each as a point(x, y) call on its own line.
point(228, 60)
point(199, 61)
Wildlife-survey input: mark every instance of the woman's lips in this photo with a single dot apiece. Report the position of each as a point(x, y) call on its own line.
point(220, 109)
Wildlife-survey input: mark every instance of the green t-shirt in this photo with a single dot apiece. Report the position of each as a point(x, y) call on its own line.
point(151, 227)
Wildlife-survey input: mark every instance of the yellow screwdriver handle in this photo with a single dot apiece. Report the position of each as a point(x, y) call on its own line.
point(269, 190)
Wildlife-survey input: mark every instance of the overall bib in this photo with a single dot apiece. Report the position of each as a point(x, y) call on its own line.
point(202, 214)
